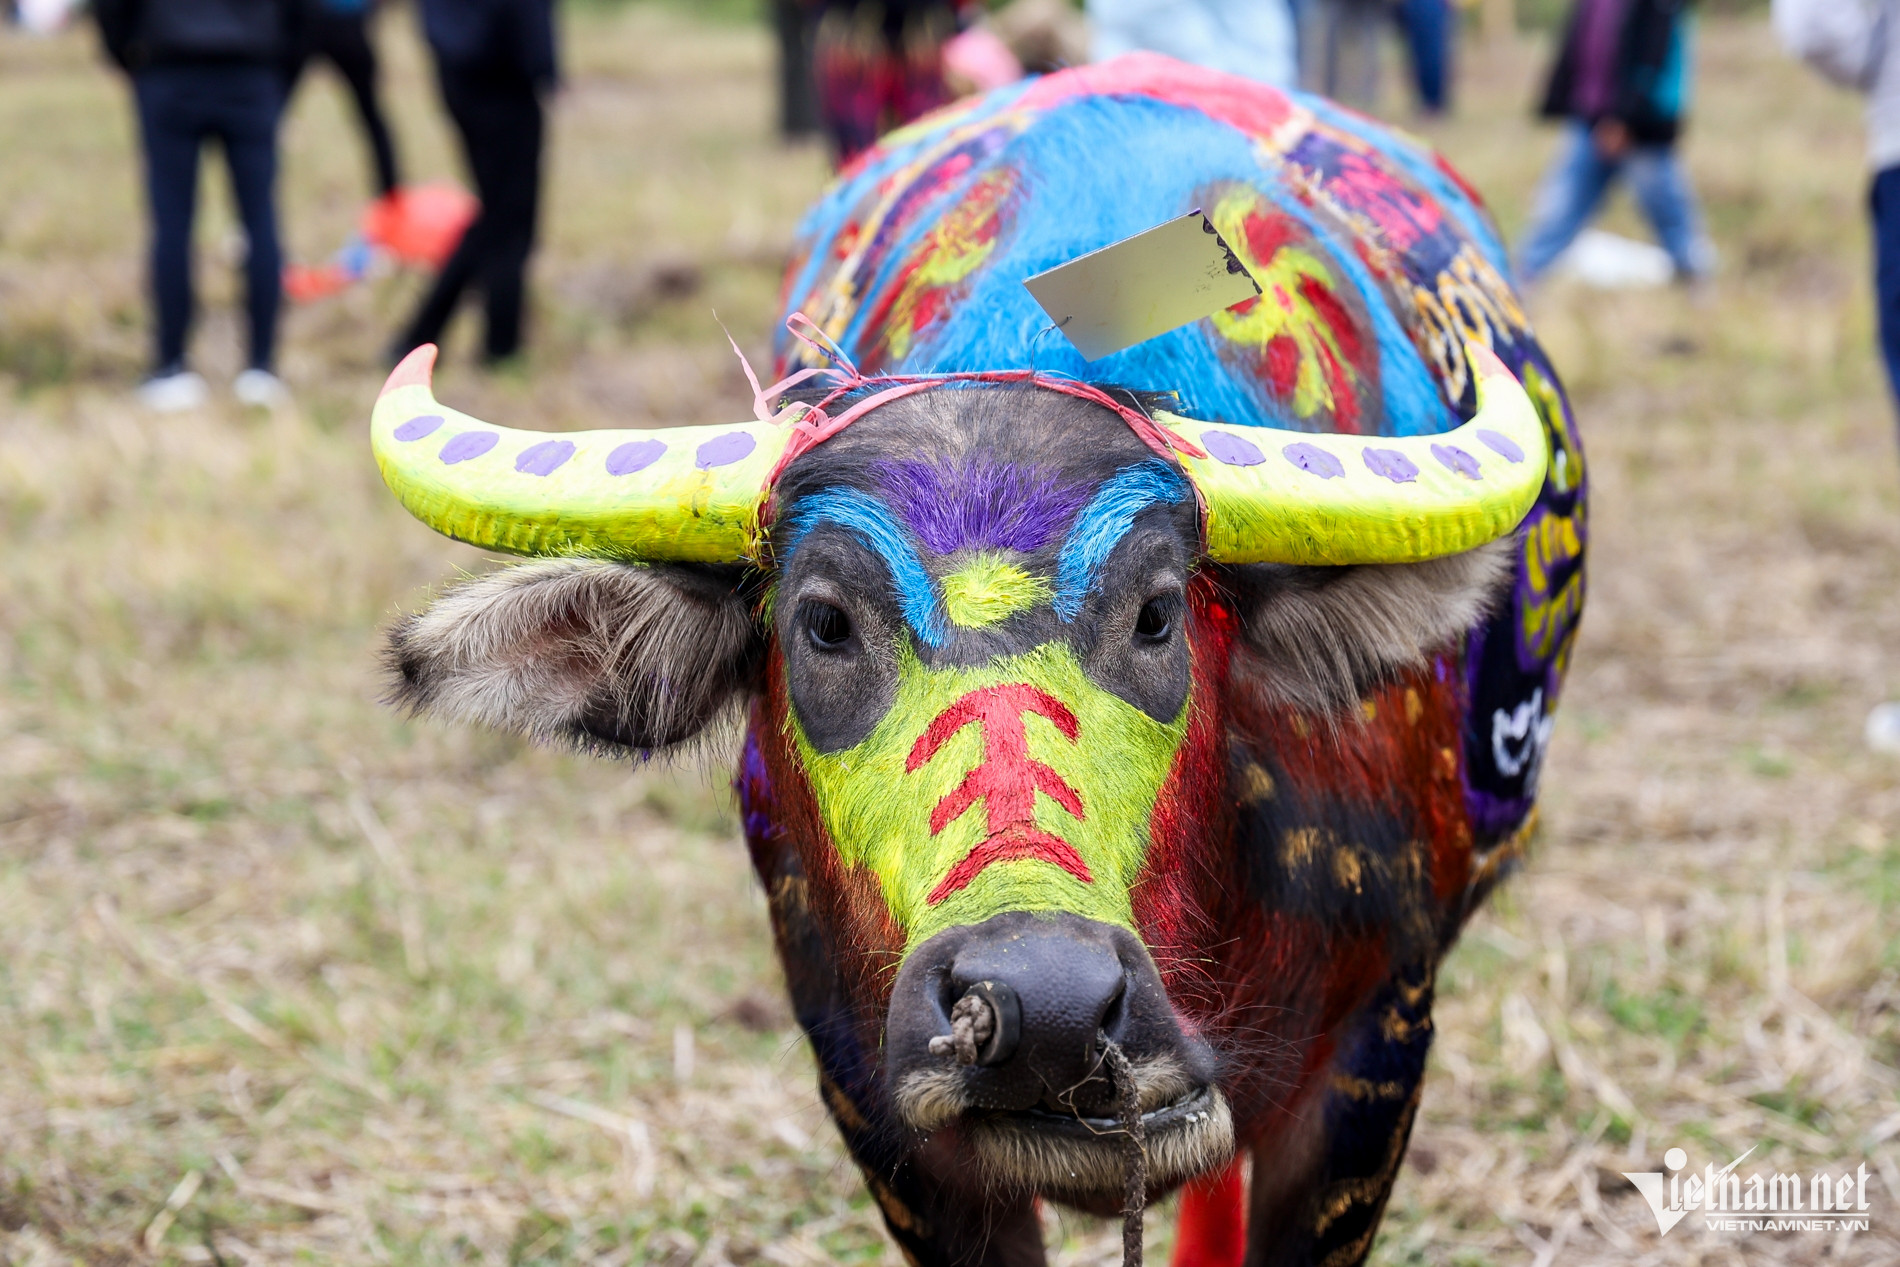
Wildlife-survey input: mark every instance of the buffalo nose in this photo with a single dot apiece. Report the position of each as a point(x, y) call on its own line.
point(1027, 1007)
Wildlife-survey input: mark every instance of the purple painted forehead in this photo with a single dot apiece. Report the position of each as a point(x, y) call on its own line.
point(980, 503)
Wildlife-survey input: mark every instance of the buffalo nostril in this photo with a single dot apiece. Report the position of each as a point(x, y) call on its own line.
point(986, 1025)
point(1115, 1015)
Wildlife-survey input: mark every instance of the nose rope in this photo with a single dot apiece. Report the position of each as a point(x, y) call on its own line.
point(1135, 1193)
point(972, 1023)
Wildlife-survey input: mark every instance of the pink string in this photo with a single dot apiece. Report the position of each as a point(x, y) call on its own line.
point(812, 425)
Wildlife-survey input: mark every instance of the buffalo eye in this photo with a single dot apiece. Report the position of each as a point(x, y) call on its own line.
point(1155, 621)
point(828, 627)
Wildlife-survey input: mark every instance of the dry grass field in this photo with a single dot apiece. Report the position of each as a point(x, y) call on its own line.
point(286, 978)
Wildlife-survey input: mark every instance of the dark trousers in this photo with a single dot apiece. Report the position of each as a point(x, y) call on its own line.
point(796, 22)
point(342, 39)
point(1427, 26)
point(1886, 209)
point(501, 137)
point(180, 107)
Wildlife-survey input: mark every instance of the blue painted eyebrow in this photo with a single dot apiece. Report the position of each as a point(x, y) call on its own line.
point(871, 521)
point(1104, 522)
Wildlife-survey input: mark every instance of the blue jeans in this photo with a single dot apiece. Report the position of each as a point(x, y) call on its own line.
point(1427, 27)
point(180, 108)
point(1578, 180)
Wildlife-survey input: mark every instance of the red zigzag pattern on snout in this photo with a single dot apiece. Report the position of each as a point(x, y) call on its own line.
point(1007, 779)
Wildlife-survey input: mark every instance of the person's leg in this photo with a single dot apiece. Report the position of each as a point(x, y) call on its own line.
point(795, 22)
point(248, 108)
point(1356, 65)
point(514, 186)
point(345, 41)
point(845, 56)
point(171, 136)
point(1884, 202)
point(465, 262)
point(1663, 192)
point(1313, 23)
point(916, 85)
point(1566, 199)
point(1427, 27)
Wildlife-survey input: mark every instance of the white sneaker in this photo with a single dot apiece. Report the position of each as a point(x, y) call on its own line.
point(173, 393)
point(260, 388)
point(1883, 728)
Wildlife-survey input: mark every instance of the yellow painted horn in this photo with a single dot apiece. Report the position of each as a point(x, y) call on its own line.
point(697, 494)
point(678, 494)
point(1276, 496)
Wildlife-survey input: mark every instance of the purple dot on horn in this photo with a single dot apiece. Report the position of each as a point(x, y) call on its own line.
point(544, 458)
point(470, 444)
point(724, 450)
point(1231, 449)
point(1314, 460)
point(635, 455)
point(418, 427)
point(1502, 445)
point(1392, 464)
point(1456, 459)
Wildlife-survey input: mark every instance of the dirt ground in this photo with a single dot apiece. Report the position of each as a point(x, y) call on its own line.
point(284, 977)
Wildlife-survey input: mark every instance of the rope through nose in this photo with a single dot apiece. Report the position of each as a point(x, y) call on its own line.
point(1135, 1192)
point(972, 1022)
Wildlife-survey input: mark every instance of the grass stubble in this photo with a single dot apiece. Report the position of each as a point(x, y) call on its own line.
point(286, 977)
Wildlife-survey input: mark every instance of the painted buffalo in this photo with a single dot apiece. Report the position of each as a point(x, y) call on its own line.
point(1124, 743)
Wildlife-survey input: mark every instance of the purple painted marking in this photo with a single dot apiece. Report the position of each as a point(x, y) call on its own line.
point(724, 450)
point(1392, 464)
point(418, 427)
point(1502, 445)
point(636, 455)
point(1227, 447)
point(980, 504)
point(470, 444)
point(1456, 459)
point(1314, 460)
point(544, 458)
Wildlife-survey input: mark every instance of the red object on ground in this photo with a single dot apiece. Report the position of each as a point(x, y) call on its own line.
point(1212, 1229)
point(420, 224)
point(305, 282)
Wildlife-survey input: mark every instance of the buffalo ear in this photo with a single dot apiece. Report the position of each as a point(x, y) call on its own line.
point(606, 656)
point(1319, 638)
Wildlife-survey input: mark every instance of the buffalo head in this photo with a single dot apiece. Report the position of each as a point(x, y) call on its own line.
point(986, 633)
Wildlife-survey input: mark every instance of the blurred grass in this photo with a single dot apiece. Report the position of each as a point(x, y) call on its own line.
point(399, 993)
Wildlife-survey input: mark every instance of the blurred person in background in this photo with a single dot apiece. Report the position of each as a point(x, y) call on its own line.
point(1339, 49)
point(795, 22)
point(204, 69)
point(495, 62)
point(1044, 35)
point(878, 65)
point(1254, 38)
point(338, 32)
point(1621, 83)
point(1856, 43)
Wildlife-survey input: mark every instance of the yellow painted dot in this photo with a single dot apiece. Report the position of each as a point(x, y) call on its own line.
point(988, 590)
point(1256, 784)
